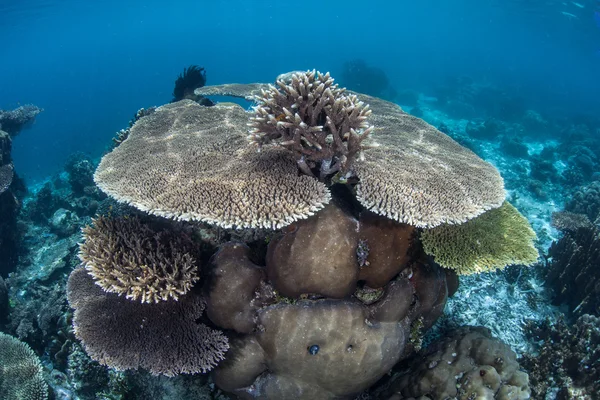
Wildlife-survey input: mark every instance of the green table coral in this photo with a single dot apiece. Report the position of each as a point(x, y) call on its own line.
point(495, 239)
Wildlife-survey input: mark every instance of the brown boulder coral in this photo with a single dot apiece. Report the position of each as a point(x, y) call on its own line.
point(316, 256)
point(468, 364)
point(190, 162)
point(333, 348)
point(235, 286)
point(312, 336)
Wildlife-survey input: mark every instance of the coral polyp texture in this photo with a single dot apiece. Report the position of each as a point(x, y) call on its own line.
point(468, 364)
point(6, 177)
point(164, 338)
point(129, 257)
point(495, 239)
point(420, 176)
point(21, 375)
point(306, 328)
point(312, 117)
point(191, 162)
point(416, 174)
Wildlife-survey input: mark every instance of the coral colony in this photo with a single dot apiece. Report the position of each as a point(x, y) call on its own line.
point(306, 248)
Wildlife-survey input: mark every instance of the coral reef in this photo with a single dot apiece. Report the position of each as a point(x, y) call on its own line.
point(21, 372)
point(586, 200)
point(573, 271)
point(493, 240)
point(164, 338)
point(569, 221)
point(12, 190)
point(319, 282)
point(81, 171)
point(566, 364)
point(131, 258)
point(468, 364)
point(14, 121)
point(317, 121)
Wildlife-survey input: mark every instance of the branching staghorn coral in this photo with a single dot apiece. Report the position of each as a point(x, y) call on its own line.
point(312, 117)
point(128, 257)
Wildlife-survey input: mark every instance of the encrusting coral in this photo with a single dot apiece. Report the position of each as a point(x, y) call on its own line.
point(495, 239)
point(190, 162)
point(21, 376)
point(314, 119)
point(164, 338)
point(468, 364)
point(128, 257)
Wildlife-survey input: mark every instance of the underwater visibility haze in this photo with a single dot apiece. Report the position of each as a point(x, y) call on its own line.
point(316, 200)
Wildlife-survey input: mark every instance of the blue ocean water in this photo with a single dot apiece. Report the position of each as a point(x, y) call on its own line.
point(515, 81)
point(92, 65)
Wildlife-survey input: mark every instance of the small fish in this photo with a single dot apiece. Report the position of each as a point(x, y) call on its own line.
point(577, 4)
point(569, 15)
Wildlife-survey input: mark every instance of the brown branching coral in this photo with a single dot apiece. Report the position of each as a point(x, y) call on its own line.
point(165, 338)
point(322, 125)
point(130, 258)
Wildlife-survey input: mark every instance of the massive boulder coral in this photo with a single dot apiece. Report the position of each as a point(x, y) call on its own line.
point(21, 376)
point(191, 162)
point(164, 338)
point(467, 364)
point(345, 335)
point(131, 258)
